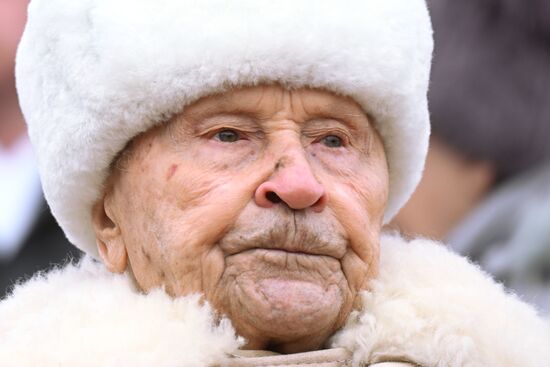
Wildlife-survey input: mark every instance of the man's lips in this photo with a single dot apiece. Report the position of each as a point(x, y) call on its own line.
point(318, 248)
point(282, 251)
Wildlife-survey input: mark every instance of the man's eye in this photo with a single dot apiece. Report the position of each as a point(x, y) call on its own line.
point(332, 141)
point(227, 136)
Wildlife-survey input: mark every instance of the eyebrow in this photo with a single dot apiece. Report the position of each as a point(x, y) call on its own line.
point(338, 111)
point(222, 105)
point(341, 113)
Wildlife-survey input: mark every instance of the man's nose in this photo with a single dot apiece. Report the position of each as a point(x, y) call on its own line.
point(292, 183)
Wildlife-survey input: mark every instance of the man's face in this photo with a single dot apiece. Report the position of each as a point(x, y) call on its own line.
point(267, 201)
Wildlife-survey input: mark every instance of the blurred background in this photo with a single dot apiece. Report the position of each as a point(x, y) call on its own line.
point(486, 188)
point(30, 239)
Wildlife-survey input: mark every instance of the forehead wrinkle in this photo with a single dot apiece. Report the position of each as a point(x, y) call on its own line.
point(229, 103)
point(244, 103)
point(343, 110)
point(340, 109)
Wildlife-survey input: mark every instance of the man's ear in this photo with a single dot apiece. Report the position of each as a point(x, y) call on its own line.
point(110, 243)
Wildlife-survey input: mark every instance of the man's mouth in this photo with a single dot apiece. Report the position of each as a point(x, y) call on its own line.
point(303, 243)
point(283, 250)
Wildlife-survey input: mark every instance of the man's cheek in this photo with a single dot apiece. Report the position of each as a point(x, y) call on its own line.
point(218, 200)
point(361, 224)
point(170, 264)
point(213, 267)
point(147, 268)
point(219, 158)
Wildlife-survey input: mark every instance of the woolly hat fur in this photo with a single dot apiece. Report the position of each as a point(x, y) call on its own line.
point(93, 74)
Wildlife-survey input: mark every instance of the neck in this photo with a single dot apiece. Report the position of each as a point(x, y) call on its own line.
point(451, 187)
point(299, 345)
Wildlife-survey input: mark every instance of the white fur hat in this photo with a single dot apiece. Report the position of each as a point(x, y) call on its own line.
point(92, 74)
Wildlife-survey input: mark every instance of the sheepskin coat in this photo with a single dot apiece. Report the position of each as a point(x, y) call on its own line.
point(428, 306)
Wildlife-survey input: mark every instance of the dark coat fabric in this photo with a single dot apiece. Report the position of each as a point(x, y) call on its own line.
point(44, 248)
point(491, 80)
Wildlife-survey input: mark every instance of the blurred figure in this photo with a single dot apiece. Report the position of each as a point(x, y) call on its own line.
point(486, 188)
point(29, 237)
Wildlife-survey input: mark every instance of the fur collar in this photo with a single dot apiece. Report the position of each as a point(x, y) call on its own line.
point(428, 306)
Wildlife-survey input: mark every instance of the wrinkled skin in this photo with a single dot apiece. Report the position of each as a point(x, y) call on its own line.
point(267, 201)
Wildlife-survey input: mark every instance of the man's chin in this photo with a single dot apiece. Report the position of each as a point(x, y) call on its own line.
point(281, 296)
point(283, 309)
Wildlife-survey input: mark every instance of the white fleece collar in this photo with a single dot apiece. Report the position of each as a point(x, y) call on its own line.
point(428, 306)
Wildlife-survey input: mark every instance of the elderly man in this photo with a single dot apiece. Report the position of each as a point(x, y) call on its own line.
point(230, 165)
